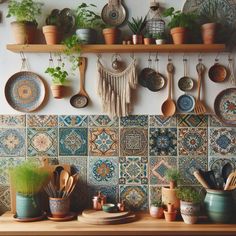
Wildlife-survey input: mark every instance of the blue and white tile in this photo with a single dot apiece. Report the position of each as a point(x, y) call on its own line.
point(163, 142)
point(134, 121)
point(215, 122)
point(42, 121)
point(103, 170)
point(12, 142)
point(133, 170)
point(154, 193)
point(5, 202)
point(161, 121)
point(136, 197)
point(12, 121)
point(73, 141)
point(73, 121)
point(103, 121)
point(42, 142)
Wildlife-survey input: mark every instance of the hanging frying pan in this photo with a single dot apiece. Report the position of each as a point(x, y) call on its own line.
point(217, 73)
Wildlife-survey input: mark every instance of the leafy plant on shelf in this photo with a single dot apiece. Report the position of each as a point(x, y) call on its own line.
point(137, 25)
point(159, 36)
point(173, 176)
point(189, 194)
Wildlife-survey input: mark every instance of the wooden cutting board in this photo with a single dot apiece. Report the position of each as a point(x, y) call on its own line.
point(104, 218)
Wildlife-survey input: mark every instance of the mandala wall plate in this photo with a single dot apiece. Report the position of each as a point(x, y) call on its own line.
point(25, 91)
point(224, 11)
point(225, 106)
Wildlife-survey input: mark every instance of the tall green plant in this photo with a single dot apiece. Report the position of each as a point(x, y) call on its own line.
point(28, 178)
point(24, 10)
point(137, 25)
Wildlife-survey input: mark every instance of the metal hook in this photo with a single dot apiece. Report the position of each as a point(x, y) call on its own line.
point(132, 55)
point(169, 58)
point(184, 58)
point(50, 60)
point(230, 57)
point(217, 57)
point(200, 57)
point(59, 60)
point(157, 57)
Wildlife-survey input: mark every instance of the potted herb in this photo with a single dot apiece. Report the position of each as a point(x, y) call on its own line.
point(190, 200)
point(179, 24)
point(173, 176)
point(137, 26)
point(28, 180)
point(157, 209)
point(59, 79)
point(160, 38)
point(25, 13)
point(147, 39)
point(170, 213)
point(87, 21)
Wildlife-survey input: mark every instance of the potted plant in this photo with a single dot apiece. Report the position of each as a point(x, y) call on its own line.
point(147, 39)
point(157, 209)
point(179, 24)
point(28, 180)
point(169, 193)
point(59, 79)
point(86, 22)
point(160, 38)
point(25, 13)
point(170, 213)
point(110, 34)
point(189, 204)
point(137, 26)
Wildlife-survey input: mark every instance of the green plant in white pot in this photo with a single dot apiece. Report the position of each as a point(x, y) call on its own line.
point(28, 180)
point(157, 209)
point(59, 80)
point(25, 13)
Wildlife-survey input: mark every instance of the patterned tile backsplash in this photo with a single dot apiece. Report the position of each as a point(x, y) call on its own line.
point(123, 158)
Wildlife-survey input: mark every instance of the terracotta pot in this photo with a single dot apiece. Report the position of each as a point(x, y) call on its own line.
point(59, 207)
point(189, 212)
point(170, 207)
point(169, 196)
point(24, 32)
point(51, 34)
point(147, 41)
point(179, 35)
point(111, 35)
point(58, 91)
point(137, 39)
point(208, 33)
point(156, 212)
point(170, 216)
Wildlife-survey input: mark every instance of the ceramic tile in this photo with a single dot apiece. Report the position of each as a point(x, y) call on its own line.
point(134, 121)
point(5, 203)
point(103, 170)
point(158, 167)
point(12, 142)
point(111, 192)
point(161, 121)
point(193, 141)
point(133, 142)
point(187, 165)
point(133, 170)
point(103, 142)
point(42, 141)
point(12, 121)
point(223, 141)
point(73, 121)
point(163, 142)
point(73, 141)
point(5, 165)
point(103, 121)
point(154, 193)
point(191, 120)
point(215, 122)
point(42, 121)
point(136, 197)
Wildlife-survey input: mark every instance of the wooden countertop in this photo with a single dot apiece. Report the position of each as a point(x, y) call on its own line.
point(145, 225)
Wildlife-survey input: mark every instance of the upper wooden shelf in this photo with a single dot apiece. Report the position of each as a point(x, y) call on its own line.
point(118, 48)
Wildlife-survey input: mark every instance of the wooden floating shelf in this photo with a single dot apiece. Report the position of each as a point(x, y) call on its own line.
point(102, 48)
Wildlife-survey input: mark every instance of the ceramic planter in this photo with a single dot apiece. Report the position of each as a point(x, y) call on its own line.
point(58, 91)
point(170, 216)
point(137, 39)
point(27, 206)
point(189, 212)
point(179, 35)
point(156, 212)
point(87, 36)
point(111, 35)
point(24, 32)
point(219, 205)
point(169, 196)
point(160, 41)
point(51, 34)
point(59, 207)
point(208, 33)
point(147, 41)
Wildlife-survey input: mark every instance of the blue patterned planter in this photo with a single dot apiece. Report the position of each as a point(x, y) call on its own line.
point(59, 207)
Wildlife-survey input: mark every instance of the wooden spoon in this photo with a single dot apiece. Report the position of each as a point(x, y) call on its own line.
point(168, 107)
point(68, 186)
point(199, 108)
point(64, 176)
point(231, 182)
point(200, 179)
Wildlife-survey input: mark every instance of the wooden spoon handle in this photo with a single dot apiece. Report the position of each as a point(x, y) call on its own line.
point(200, 179)
point(82, 62)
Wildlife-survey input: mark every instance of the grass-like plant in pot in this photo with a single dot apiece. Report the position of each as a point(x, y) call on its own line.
point(25, 13)
point(59, 80)
point(137, 26)
point(180, 23)
point(190, 200)
point(160, 38)
point(157, 209)
point(27, 180)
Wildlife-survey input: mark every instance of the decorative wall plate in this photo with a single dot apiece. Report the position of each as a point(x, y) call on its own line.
point(185, 103)
point(225, 106)
point(25, 91)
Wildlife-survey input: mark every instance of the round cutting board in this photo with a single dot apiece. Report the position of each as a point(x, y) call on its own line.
point(103, 215)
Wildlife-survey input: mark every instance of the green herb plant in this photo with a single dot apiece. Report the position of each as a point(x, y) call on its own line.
point(24, 10)
point(137, 25)
point(159, 36)
point(27, 178)
point(173, 176)
point(189, 194)
point(158, 203)
point(148, 35)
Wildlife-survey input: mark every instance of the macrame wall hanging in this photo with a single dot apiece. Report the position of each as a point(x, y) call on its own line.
point(114, 88)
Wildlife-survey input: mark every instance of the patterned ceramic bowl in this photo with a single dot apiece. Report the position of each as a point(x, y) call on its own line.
point(59, 207)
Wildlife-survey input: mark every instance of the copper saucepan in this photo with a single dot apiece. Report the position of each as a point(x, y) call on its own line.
point(217, 73)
